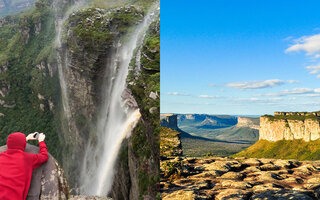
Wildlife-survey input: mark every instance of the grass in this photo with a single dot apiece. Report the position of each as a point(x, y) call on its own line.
point(193, 147)
point(230, 133)
point(284, 149)
point(292, 117)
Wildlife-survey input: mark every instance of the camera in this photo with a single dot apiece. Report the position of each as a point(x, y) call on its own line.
point(36, 135)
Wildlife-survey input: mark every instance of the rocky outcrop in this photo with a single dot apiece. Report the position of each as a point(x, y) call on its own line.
point(246, 122)
point(170, 143)
point(89, 198)
point(240, 178)
point(289, 127)
point(297, 113)
point(169, 121)
point(48, 180)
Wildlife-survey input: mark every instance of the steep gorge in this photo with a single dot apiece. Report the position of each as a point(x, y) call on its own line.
point(90, 37)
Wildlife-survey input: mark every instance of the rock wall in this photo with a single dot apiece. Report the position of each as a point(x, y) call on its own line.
point(297, 113)
point(169, 121)
point(86, 57)
point(245, 122)
point(289, 129)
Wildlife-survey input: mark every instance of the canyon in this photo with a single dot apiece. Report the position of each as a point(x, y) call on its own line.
point(59, 64)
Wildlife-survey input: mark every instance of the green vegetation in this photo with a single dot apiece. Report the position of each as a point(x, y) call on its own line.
point(292, 117)
point(145, 137)
point(172, 169)
point(142, 4)
point(200, 147)
point(23, 49)
point(89, 26)
point(220, 137)
point(283, 149)
point(232, 133)
point(169, 142)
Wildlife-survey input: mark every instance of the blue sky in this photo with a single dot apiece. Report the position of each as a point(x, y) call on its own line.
point(248, 57)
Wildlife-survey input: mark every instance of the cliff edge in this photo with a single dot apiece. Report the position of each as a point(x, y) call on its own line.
point(290, 126)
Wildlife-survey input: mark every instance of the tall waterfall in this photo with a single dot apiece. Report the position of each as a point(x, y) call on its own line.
point(115, 120)
point(63, 59)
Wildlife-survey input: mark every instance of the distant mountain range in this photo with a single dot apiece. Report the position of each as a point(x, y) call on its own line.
point(222, 127)
point(220, 135)
point(8, 7)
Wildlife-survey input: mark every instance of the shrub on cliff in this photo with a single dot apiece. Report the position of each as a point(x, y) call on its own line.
point(283, 149)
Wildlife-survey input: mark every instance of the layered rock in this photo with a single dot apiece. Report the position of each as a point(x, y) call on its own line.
point(245, 122)
point(169, 121)
point(240, 178)
point(48, 180)
point(90, 39)
point(289, 127)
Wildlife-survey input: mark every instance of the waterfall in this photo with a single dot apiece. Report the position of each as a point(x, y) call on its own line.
point(115, 120)
point(62, 59)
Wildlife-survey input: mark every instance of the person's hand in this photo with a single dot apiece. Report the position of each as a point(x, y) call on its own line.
point(30, 136)
point(41, 137)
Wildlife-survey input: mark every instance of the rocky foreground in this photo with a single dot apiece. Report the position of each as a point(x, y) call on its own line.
point(234, 178)
point(226, 178)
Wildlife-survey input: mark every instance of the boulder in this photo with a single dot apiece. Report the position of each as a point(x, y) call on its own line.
point(181, 195)
point(283, 194)
point(234, 194)
point(48, 180)
point(89, 198)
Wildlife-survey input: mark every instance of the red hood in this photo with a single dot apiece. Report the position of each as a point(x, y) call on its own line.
point(17, 141)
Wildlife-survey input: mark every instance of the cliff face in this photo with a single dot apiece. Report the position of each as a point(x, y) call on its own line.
point(169, 121)
point(245, 122)
point(89, 40)
point(30, 96)
point(290, 126)
point(207, 121)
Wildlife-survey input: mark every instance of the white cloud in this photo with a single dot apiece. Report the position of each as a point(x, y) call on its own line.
point(177, 94)
point(313, 95)
point(318, 76)
point(294, 91)
point(208, 97)
point(314, 69)
point(212, 85)
point(259, 84)
point(309, 44)
point(257, 100)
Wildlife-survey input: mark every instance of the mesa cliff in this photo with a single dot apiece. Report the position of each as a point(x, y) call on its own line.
point(290, 126)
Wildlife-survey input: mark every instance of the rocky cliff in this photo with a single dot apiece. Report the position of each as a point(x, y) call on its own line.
point(30, 95)
point(290, 126)
point(246, 122)
point(169, 121)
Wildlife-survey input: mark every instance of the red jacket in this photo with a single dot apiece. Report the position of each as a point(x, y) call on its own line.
point(16, 167)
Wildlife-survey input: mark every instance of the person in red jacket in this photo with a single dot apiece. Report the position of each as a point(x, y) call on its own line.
point(16, 166)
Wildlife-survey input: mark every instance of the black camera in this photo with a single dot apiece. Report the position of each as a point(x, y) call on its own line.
point(36, 135)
